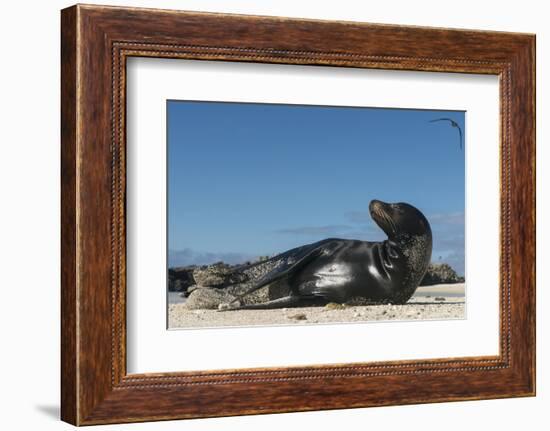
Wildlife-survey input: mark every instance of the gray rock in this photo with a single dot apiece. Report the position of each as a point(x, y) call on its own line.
point(440, 273)
point(218, 275)
point(207, 298)
point(179, 279)
point(191, 288)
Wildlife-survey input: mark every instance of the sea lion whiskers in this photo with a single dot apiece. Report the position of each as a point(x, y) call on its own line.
point(381, 213)
point(391, 222)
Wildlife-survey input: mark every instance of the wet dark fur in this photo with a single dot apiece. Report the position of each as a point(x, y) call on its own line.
point(348, 271)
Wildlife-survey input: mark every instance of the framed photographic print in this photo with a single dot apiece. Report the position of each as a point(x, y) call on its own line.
point(286, 207)
point(268, 191)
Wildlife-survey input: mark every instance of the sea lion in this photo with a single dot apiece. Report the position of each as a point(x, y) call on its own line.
point(344, 270)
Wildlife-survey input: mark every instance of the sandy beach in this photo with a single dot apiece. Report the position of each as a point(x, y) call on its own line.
point(438, 302)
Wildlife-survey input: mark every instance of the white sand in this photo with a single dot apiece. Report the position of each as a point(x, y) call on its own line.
point(442, 301)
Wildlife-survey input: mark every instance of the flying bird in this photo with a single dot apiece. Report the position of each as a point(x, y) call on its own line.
point(454, 124)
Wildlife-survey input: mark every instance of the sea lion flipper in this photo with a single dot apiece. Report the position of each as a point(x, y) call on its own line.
point(279, 273)
point(295, 252)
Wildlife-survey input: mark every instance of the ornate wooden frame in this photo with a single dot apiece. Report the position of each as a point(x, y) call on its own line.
point(95, 42)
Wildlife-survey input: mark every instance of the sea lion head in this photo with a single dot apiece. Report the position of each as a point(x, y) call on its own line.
point(400, 220)
point(409, 243)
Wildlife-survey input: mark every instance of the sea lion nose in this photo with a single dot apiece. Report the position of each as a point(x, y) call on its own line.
point(375, 205)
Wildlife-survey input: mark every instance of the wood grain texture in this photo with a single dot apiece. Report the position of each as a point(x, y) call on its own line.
point(96, 41)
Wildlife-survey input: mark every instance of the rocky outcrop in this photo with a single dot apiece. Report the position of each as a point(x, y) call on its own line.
point(221, 283)
point(207, 298)
point(179, 279)
point(218, 275)
point(440, 273)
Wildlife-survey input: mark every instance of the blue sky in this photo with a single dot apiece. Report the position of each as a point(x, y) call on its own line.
point(248, 179)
